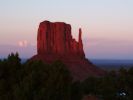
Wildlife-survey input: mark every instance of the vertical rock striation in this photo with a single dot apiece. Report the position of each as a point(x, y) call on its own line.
point(56, 38)
point(55, 42)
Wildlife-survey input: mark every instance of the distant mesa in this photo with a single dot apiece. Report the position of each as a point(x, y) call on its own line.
point(55, 42)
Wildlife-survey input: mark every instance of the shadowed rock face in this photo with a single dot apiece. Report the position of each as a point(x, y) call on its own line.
point(56, 38)
point(55, 42)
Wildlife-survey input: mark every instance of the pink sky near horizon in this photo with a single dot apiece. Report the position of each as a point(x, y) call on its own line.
point(107, 25)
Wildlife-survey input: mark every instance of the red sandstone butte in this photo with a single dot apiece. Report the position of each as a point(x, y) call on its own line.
point(55, 42)
point(56, 38)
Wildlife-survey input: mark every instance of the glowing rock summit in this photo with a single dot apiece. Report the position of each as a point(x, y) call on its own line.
point(55, 42)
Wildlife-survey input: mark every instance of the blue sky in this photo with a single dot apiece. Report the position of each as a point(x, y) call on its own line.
point(107, 25)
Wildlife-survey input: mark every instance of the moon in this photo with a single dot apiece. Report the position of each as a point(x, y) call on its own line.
point(23, 43)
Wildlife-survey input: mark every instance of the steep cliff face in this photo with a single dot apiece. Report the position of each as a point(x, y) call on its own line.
point(56, 38)
point(55, 42)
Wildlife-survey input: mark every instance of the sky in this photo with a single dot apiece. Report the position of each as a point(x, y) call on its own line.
point(107, 25)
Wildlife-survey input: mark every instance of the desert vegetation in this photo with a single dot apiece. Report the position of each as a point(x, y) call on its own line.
point(36, 80)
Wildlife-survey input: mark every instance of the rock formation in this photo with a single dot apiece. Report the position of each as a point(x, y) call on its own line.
point(55, 42)
point(56, 38)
